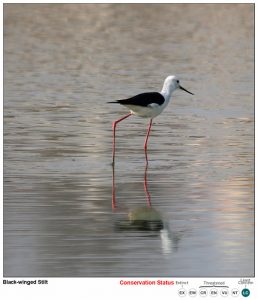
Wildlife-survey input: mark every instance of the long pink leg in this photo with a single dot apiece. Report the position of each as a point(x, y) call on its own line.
point(113, 189)
point(114, 133)
point(146, 185)
point(146, 141)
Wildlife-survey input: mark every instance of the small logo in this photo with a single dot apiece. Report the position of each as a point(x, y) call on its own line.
point(235, 293)
point(192, 293)
point(182, 292)
point(203, 292)
point(245, 292)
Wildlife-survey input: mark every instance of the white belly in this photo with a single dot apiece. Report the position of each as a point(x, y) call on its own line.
point(150, 111)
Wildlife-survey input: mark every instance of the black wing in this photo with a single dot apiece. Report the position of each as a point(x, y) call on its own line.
point(143, 99)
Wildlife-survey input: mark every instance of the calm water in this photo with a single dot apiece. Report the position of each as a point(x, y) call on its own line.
point(192, 212)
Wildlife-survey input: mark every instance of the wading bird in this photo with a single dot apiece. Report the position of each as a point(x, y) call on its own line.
point(148, 105)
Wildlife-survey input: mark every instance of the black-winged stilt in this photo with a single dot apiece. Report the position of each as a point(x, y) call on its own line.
point(148, 105)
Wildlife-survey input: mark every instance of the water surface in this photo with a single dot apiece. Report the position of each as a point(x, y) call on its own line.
point(191, 213)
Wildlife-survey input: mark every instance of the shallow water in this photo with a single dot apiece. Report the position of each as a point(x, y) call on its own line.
point(66, 212)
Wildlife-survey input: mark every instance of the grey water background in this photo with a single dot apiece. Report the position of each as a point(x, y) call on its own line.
point(62, 63)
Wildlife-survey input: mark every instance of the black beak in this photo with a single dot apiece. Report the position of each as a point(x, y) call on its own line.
point(181, 88)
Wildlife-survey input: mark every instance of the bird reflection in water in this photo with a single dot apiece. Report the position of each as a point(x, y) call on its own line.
point(140, 218)
point(145, 218)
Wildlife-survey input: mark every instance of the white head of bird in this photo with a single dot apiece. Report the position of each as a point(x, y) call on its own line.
point(171, 83)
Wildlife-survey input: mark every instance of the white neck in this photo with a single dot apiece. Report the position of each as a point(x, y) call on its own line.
point(167, 91)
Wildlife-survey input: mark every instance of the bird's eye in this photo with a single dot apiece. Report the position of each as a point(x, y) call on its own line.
point(177, 81)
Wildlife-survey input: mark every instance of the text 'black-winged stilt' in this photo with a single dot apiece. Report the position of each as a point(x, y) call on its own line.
point(148, 105)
